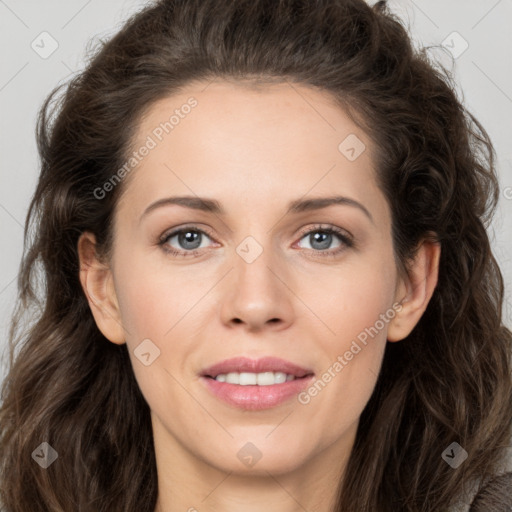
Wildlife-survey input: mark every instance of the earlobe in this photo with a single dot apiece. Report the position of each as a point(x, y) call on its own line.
point(98, 285)
point(415, 291)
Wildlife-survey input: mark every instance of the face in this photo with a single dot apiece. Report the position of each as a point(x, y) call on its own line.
point(258, 270)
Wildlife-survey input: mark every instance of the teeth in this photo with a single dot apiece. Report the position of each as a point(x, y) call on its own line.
point(279, 377)
point(233, 378)
point(266, 379)
point(247, 379)
point(251, 379)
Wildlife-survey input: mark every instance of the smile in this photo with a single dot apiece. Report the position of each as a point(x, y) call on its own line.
point(256, 384)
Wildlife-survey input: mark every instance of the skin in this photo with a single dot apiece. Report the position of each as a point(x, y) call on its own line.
point(253, 150)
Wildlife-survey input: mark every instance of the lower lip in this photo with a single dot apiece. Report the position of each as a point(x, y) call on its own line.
point(256, 398)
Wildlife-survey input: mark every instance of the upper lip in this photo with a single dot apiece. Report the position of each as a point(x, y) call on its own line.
point(264, 364)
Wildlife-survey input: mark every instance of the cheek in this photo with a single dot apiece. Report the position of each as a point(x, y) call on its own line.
point(356, 306)
point(171, 303)
point(151, 300)
point(153, 305)
point(351, 300)
point(142, 309)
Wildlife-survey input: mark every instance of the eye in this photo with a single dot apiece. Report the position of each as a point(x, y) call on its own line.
point(188, 240)
point(320, 240)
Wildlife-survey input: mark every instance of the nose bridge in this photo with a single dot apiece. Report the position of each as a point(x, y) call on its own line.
point(256, 295)
point(253, 263)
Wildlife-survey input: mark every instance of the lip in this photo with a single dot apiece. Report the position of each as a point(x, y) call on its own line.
point(264, 364)
point(256, 397)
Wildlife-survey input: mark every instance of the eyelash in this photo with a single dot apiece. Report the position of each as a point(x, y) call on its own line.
point(344, 237)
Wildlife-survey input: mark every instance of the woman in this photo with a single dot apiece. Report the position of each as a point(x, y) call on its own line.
point(331, 340)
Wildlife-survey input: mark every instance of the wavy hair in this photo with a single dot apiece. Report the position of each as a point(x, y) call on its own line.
point(450, 380)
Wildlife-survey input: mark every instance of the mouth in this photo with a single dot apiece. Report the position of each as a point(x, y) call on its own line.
point(256, 384)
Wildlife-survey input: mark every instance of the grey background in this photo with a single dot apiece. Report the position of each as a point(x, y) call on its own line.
point(483, 72)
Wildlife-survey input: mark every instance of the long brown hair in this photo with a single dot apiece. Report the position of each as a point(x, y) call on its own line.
point(449, 381)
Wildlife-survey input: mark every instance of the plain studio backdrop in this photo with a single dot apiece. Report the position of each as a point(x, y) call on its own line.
point(43, 44)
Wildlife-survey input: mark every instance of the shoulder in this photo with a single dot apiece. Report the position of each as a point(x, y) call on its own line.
point(492, 496)
point(496, 495)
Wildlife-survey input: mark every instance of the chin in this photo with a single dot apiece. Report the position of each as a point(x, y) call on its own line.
point(258, 457)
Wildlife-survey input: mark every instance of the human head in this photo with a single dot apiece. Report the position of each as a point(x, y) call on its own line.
point(435, 183)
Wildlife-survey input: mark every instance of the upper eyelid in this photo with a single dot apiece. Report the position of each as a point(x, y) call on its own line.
point(173, 232)
point(328, 227)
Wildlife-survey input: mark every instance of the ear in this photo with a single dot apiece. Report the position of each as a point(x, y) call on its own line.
point(415, 290)
point(98, 285)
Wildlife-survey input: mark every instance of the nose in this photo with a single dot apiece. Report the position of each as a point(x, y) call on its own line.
point(258, 293)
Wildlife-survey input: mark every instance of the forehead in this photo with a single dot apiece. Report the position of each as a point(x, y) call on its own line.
point(235, 140)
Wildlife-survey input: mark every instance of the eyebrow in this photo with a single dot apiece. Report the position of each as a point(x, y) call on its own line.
point(298, 206)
